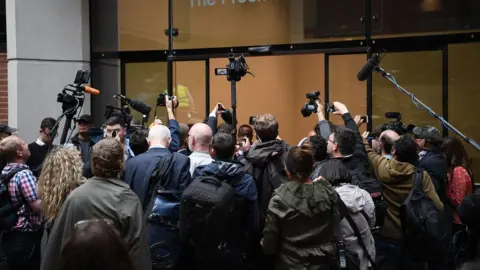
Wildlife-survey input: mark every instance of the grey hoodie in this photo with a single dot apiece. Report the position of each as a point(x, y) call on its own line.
point(357, 200)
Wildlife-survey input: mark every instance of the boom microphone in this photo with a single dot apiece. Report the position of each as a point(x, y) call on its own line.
point(140, 106)
point(368, 68)
point(90, 90)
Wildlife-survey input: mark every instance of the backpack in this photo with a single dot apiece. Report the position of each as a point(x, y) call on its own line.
point(161, 218)
point(375, 189)
point(209, 215)
point(8, 213)
point(423, 225)
point(267, 179)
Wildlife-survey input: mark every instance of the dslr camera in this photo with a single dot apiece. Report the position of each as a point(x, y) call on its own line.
point(311, 106)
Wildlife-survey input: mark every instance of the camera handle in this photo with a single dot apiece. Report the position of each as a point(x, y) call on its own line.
point(233, 85)
point(419, 104)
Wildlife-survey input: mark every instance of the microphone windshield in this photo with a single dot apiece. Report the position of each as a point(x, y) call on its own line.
point(140, 106)
point(367, 69)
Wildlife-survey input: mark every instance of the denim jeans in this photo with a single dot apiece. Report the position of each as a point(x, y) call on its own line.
point(22, 249)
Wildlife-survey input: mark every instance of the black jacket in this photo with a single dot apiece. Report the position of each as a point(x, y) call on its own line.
point(357, 162)
point(263, 155)
point(434, 163)
point(87, 171)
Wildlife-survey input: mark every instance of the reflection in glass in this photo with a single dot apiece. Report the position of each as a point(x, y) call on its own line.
point(418, 72)
point(208, 24)
point(344, 86)
point(279, 88)
point(464, 94)
point(413, 17)
point(145, 81)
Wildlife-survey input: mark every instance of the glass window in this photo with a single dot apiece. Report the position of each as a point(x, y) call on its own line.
point(106, 78)
point(189, 81)
point(464, 94)
point(418, 72)
point(279, 87)
point(344, 86)
point(419, 17)
point(141, 24)
point(145, 81)
point(224, 23)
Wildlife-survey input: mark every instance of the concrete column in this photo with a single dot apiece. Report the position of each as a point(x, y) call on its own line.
point(47, 42)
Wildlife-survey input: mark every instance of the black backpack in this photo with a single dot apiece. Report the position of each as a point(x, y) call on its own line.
point(8, 213)
point(267, 179)
point(375, 189)
point(423, 225)
point(207, 215)
point(161, 217)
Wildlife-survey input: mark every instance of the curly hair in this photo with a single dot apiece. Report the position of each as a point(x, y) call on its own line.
point(108, 158)
point(61, 174)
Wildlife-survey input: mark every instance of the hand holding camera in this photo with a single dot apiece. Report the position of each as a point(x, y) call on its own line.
point(340, 108)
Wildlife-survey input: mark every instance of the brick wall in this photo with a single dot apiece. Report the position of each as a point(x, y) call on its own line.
point(3, 88)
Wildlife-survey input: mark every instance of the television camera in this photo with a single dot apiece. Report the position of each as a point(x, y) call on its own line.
point(311, 105)
point(396, 125)
point(125, 113)
point(72, 98)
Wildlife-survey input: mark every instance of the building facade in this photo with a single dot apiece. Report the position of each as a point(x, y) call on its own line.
point(432, 49)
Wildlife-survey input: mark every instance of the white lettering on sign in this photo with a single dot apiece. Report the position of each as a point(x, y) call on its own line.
point(211, 3)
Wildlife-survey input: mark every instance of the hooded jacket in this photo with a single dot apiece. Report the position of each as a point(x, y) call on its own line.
point(269, 155)
point(397, 179)
point(245, 187)
point(362, 210)
point(300, 226)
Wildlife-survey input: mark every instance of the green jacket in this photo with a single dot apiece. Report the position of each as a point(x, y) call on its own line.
point(300, 226)
point(397, 179)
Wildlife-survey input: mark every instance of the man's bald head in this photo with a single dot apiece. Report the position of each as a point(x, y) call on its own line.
point(388, 139)
point(200, 138)
point(13, 149)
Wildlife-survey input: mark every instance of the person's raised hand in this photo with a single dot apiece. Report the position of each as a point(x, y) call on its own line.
point(365, 135)
point(320, 110)
point(358, 120)
point(340, 108)
point(168, 103)
point(320, 178)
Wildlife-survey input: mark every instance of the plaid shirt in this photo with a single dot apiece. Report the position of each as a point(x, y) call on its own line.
point(23, 190)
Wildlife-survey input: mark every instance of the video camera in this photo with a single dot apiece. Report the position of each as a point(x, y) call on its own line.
point(396, 125)
point(125, 113)
point(312, 107)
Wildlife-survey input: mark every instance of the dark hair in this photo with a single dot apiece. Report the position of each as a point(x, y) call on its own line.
point(335, 172)
point(346, 140)
point(455, 154)
point(299, 162)
point(48, 122)
point(115, 120)
point(138, 141)
point(245, 131)
point(226, 128)
point(266, 127)
point(95, 245)
point(108, 158)
point(319, 147)
point(316, 128)
point(224, 145)
point(406, 150)
point(184, 129)
point(387, 144)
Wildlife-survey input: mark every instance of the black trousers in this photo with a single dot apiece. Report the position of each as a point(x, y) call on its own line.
point(22, 249)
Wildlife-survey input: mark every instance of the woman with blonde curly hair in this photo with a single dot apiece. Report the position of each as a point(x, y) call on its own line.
point(61, 174)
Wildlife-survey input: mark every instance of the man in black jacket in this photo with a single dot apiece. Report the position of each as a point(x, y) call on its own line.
point(83, 142)
point(431, 159)
point(346, 143)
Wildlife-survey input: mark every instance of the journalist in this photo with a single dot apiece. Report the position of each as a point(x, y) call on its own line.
point(42, 146)
point(83, 142)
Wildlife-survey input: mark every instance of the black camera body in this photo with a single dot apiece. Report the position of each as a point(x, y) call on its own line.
point(397, 124)
point(311, 106)
point(161, 100)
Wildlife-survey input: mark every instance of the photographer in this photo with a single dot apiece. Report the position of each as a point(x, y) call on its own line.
point(346, 144)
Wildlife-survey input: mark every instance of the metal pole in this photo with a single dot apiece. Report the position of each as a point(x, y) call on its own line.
point(170, 49)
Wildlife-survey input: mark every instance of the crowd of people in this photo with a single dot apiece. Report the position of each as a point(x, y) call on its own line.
point(208, 196)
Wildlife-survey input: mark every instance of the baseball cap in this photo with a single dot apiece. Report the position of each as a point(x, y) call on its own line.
point(429, 133)
point(85, 118)
point(7, 129)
